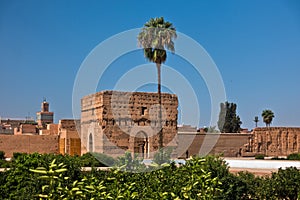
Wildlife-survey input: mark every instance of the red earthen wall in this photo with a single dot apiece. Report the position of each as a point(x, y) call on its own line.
point(29, 144)
point(228, 144)
point(275, 141)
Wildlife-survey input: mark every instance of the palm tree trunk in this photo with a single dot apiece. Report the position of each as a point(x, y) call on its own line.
point(158, 66)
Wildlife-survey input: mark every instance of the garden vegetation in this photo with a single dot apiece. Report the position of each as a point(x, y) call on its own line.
point(49, 176)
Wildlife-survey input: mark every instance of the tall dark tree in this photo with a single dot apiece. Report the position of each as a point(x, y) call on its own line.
point(267, 116)
point(256, 120)
point(229, 121)
point(156, 36)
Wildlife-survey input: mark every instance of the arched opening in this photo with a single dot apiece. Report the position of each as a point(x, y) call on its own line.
point(141, 144)
point(91, 143)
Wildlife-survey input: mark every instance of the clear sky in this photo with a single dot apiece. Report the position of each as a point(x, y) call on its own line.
point(254, 44)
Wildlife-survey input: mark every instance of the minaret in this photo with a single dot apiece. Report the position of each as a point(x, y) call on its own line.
point(44, 117)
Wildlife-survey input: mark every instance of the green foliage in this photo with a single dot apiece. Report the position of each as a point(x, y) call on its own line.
point(52, 176)
point(130, 164)
point(162, 156)
point(17, 154)
point(286, 184)
point(156, 36)
point(294, 156)
point(3, 162)
point(18, 182)
point(212, 129)
point(88, 160)
point(2, 155)
point(55, 187)
point(105, 160)
point(260, 156)
point(229, 121)
point(277, 158)
point(267, 116)
point(96, 160)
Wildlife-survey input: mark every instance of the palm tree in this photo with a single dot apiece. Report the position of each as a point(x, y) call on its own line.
point(256, 120)
point(156, 36)
point(268, 116)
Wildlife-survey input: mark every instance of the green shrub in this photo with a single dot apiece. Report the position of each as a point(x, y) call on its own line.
point(200, 178)
point(104, 160)
point(17, 154)
point(276, 158)
point(294, 156)
point(2, 155)
point(260, 156)
point(162, 156)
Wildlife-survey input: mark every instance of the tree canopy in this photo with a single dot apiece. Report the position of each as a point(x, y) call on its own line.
point(267, 116)
point(156, 36)
point(229, 121)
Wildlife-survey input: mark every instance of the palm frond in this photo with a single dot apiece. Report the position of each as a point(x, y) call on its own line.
point(156, 37)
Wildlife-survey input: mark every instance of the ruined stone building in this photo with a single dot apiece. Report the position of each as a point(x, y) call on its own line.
point(273, 141)
point(270, 141)
point(113, 122)
point(69, 137)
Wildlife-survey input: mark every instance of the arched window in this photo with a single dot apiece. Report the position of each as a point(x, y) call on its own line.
point(91, 142)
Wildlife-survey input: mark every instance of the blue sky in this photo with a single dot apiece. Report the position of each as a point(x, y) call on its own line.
point(254, 44)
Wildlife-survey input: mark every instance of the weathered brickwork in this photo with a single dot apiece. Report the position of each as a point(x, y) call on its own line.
point(26, 129)
point(69, 142)
point(28, 144)
point(113, 122)
point(274, 141)
point(227, 144)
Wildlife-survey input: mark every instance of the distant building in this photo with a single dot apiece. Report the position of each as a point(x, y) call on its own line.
point(44, 117)
point(69, 137)
point(113, 122)
point(26, 129)
point(186, 128)
point(8, 125)
point(68, 132)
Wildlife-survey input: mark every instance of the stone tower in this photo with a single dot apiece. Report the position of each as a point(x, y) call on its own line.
point(44, 117)
point(113, 122)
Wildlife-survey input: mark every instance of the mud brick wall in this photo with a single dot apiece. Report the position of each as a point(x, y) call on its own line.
point(28, 144)
point(69, 124)
point(26, 129)
point(112, 119)
point(228, 144)
point(275, 141)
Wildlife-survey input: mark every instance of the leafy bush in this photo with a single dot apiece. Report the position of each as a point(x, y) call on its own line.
point(277, 158)
point(260, 156)
point(294, 156)
point(163, 156)
point(286, 183)
point(104, 160)
point(51, 176)
point(3, 162)
point(2, 155)
point(17, 154)
point(130, 164)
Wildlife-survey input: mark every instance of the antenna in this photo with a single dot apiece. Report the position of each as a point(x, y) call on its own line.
point(27, 118)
